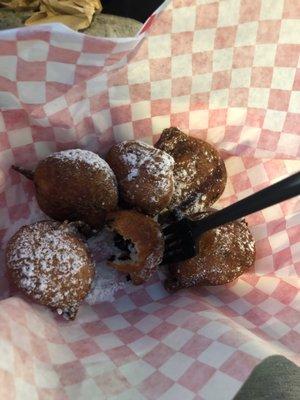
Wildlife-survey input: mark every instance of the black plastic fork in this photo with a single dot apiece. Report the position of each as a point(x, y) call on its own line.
point(181, 236)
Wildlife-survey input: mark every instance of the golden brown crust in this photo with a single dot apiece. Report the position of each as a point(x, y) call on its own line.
point(145, 234)
point(144, 175)
point(199, 173)
point(72, 188)
point(225, 253)
point(50, 264)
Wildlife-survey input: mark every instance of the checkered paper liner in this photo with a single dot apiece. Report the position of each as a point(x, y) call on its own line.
point(226, 71)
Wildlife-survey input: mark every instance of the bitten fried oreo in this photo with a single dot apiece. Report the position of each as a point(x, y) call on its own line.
point(50, 264)
point(75, 185)
point(138, 242)
point(144, 175)
point(225, 253)
point(199, 172)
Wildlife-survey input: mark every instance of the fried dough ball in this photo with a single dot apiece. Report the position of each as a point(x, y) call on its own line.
point(50, 264)
point(144, 175)
point(75, 185)
point(225, 253)
point(138, 242)
point(199, 173)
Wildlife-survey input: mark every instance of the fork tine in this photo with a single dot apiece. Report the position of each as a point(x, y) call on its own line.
point(175, 237)
point(170, 245)
point(175, 257)
point(176, 227)
point(170, 236)
point(169, 229)
point(179, 241)
point(171, 258)
point(179, 252)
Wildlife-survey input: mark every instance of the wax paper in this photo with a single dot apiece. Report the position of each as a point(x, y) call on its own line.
point(225, 71)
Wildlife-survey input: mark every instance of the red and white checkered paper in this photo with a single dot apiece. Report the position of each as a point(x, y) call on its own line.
point(227, 71)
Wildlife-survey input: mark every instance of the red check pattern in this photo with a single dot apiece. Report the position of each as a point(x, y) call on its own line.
point(226, 71)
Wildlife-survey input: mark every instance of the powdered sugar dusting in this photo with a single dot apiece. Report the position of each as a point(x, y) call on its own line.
point(151, 262)
point(105, 285)
point(83, 156)
point(48, 263)
point(148, 159)
point(186, 178)
point(231, 252)
point(107, 280)
point(199, 172)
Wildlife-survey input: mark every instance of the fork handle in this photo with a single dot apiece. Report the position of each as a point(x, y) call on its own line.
point(280, 191)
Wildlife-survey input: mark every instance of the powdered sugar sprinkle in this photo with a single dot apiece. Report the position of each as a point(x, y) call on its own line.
point(148, 159)
point(107, 280)
point(83, 156)
point(44, 258)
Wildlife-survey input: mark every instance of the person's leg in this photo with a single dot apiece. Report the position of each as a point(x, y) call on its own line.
point(275, 378)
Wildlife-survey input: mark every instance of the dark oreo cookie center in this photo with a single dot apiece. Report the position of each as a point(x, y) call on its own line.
point(126, 247)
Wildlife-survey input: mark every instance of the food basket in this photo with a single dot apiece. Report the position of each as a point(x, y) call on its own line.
point(224, 71)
